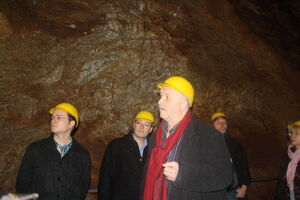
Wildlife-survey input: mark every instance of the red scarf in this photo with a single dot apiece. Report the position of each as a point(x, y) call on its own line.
point(155, 185)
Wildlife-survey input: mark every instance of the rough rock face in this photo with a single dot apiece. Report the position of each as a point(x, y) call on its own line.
point(275, 21)
point(106, 58)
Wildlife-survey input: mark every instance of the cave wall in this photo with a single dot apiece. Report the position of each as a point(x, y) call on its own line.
point(106, 57)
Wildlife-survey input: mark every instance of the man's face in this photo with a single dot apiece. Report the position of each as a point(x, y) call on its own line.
point(141, 128)
point(220, 124)
point(60, 123)
point(171, 104)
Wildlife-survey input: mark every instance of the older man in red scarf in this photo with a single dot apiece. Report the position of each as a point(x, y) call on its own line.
point(189, 160)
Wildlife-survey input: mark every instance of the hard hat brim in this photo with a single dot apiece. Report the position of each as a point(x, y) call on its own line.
point(217, 115)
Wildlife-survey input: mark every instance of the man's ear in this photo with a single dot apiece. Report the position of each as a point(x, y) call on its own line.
point(72, 123)
point(185, 104)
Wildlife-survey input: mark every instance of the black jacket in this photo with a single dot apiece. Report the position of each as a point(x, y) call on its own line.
point(43, 171)
point(121, 170)
point(2, 192)
point(205, 168)
point(239, 160)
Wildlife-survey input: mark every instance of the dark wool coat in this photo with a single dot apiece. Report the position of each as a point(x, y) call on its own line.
point(2, 192)
point(205, 169)
point(282, 190)
point(239, 160)
point(43, 171)
point(121, 170)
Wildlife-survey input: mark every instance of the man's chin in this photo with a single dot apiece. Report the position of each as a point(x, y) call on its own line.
point(162, 116)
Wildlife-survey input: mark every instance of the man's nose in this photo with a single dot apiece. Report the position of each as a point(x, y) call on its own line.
point(159, 101)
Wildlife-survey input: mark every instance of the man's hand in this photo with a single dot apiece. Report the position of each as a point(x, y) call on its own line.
point(13, 196)
point(241, 192)
point(171, 170)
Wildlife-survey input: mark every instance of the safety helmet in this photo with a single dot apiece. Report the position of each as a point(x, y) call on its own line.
point(181, 85)
point(69, 108)
point(216, 115)
point(145, 115)
point(296, 123)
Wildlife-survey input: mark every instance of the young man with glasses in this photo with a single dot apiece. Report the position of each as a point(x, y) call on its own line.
point(57, 167)
point(123, 162)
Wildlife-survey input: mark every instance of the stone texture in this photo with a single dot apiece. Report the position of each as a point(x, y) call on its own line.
point(106, 58)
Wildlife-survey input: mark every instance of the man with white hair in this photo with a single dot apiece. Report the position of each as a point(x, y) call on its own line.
point(188, 159)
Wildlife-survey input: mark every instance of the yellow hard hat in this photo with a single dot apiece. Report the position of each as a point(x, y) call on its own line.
point(181, 85)
point(67, 107)
point(290, 125)
point(296, 123)
point(145, 115)
point(216, 115)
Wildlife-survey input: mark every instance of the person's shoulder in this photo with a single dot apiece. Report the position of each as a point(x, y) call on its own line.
point(38, 146)
point(79, 147)
point(40, 143)
point(232, 141)
point(206, 129)
point(120, 140)
point(120, 143)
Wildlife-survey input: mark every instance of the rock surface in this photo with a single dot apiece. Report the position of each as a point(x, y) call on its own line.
point(106, 57)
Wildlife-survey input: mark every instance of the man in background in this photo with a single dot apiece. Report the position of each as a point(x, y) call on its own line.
point(122, 166)
point(239, 159)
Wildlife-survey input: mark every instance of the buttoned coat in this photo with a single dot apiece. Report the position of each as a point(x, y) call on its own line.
point(43, 171)
point(121, 170)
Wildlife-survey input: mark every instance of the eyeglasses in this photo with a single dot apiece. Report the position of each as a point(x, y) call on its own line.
point(295, 130)
point(293, 133)
point(59, 118)
point(147, 125)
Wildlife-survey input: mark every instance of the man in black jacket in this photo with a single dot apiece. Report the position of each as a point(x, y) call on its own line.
point(57, 167)
point(238, 156)
point(123, 162)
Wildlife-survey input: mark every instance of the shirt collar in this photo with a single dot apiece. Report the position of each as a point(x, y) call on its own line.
point(171, 131)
